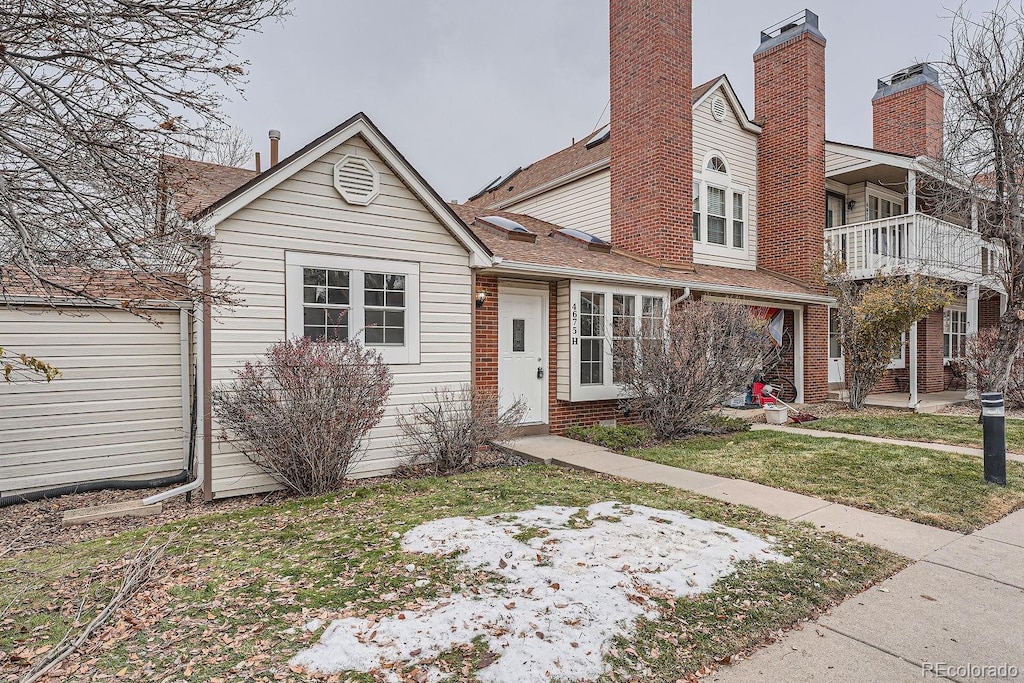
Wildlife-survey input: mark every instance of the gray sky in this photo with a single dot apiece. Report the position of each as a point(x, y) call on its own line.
point(470, 89)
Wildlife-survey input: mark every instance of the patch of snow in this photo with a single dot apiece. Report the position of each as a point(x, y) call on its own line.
point(313, 625)
point(584, 576)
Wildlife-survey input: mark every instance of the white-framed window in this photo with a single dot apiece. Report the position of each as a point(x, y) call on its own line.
point(604, 317)
point(336, 297)
point(899, 356)
point(719, 207)
point(954, 332)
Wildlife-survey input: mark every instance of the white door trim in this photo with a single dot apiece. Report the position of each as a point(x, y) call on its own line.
point(531, 289)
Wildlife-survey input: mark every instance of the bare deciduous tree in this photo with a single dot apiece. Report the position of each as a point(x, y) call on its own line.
point(675, 374)
point(446, 433)
point(91, 93)
point(227, 146)
point(982, 170)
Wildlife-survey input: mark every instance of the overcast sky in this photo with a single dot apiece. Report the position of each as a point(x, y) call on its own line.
point(471, 89)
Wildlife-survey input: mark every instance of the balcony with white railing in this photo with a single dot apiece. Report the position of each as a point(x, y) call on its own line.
point(914, 243)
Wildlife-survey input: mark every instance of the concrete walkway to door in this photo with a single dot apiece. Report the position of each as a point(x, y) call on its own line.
point(927, 445)
point(901, 536)
point(951, 615)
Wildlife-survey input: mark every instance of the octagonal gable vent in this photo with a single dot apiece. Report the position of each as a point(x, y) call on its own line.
point(356, 180)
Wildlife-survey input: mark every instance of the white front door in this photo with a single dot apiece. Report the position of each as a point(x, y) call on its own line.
point(836, 363)
point(523, 352)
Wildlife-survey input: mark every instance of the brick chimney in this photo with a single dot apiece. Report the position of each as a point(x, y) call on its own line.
point(652, 128)
point(907, 112)
point(789, 101)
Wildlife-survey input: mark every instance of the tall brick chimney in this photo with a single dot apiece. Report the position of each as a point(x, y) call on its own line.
point(652, 128)
point(789, 101)
point(907, 112)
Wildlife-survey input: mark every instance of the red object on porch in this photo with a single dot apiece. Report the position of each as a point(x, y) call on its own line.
point(757, 391)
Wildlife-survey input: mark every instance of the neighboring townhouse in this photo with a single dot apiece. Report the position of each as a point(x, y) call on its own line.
point(754, 234)
point(880, 215)
point(520, 289)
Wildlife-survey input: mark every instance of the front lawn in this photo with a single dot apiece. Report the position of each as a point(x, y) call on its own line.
point(956, 430)
point(941, 489)
point(236, 590)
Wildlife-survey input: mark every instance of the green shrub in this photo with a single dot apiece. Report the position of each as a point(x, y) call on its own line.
point(619, 438)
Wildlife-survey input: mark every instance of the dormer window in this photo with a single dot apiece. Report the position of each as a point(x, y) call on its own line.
point(719, 208)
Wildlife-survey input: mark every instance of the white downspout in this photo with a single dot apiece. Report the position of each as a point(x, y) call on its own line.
point(197, 322)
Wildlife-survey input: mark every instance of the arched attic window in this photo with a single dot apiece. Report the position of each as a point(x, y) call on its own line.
point(717, 164)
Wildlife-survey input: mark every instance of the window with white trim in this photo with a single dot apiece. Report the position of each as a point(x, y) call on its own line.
point(719, 207)
point(592, 332)
point(954, 332)
point(336, 297)
point(602, 320)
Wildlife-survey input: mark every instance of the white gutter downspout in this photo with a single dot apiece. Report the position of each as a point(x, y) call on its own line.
point(197, 325)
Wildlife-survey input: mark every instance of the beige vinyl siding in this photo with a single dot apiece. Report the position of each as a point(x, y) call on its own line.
point(116, 412)
point(562, 341)
point(739, 147)
point(306, 214)
point(836, 161)
point(584, 204)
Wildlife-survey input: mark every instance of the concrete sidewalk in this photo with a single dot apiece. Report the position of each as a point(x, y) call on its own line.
point(959, 607)
point(946, 448)
point(907, 538)
point(948, 616)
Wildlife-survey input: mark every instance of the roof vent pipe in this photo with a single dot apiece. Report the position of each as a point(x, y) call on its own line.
point(275, 138)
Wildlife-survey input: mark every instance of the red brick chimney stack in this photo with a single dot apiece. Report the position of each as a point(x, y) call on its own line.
point(907, 112)
point(789, 101)
point(652, 128)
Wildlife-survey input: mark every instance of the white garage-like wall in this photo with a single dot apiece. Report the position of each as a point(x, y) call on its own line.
point(118, 411)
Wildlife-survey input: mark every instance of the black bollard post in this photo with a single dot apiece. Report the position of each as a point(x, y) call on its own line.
point(993, 418)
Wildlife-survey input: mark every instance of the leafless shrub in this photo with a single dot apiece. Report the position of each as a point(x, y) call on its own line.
point(301, 413)
point(980, 359)
point(445, 434)
point(674, 374)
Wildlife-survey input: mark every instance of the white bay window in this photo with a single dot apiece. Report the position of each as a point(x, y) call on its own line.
point(338, 297)
point(604, 319)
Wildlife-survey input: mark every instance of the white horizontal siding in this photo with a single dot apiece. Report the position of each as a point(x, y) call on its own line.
point(306, 214)
point(739, 147)
point(115, 412)
point(583, 204)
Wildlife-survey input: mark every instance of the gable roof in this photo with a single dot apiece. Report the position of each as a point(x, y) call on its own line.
point(198, 184)
point(360, 124)
point(554, 256)
point(581, 159)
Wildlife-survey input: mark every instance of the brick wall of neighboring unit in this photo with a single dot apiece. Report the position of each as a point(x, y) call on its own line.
point(815, 354)
point(652, 128)
point(909, 121)
point(789, 100)
point(930, 372)
point(988, 313)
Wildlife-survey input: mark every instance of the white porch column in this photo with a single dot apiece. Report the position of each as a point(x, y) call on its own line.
point(912, 372)
point(913, 234)
point(973, 294)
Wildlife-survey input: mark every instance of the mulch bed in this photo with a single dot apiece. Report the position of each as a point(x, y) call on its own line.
point(29, 526)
